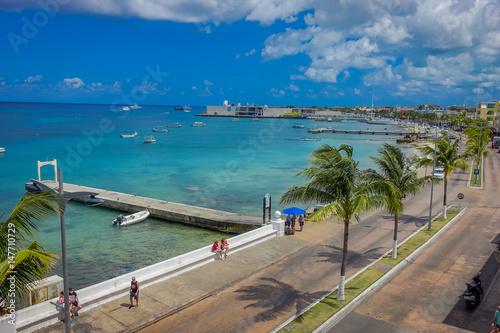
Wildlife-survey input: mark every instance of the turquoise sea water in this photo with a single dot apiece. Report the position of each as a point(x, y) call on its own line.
point(225, 165)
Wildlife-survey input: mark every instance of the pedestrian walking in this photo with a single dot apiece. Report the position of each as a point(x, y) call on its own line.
point(496, 321)
point(134, 292)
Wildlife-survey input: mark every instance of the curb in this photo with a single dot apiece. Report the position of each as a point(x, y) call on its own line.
point(333, 320)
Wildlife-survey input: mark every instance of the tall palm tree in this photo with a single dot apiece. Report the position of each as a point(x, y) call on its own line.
point(448, 158)
point(335, 180)
point(22, 259)
point(397, 174)
point(477, 139)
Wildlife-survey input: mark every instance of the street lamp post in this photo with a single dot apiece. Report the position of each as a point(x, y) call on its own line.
point(62, 200)
point(436, 139)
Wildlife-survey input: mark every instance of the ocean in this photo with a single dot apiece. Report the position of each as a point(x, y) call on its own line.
point(226, 165)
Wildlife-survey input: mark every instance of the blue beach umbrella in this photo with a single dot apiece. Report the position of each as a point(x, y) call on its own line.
point(294, 211)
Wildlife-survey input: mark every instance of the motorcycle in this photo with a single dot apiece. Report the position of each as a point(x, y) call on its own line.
point(474, 292)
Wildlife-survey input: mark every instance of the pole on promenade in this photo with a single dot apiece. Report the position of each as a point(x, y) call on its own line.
point(436, 139)
point(67, 317)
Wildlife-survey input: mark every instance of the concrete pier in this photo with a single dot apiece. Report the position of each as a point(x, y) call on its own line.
point(171, 211)
point(332, 130)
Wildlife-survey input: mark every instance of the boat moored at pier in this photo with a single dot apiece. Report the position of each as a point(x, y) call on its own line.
point(128, 134)
point(131, 219)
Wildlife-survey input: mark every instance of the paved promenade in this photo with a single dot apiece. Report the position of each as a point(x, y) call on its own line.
point(258, 288)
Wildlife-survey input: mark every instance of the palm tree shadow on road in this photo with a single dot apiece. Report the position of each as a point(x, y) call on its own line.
point(275, 298)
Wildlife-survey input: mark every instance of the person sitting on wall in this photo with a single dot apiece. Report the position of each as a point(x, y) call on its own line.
point(75, 302)
point(224, 247)
point(217, 248)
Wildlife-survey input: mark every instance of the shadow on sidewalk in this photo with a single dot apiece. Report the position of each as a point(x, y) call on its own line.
point(275, 298)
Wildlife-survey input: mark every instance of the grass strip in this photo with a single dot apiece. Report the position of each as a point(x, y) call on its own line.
point(473, 176)
point(318, 314)
point(408, 247)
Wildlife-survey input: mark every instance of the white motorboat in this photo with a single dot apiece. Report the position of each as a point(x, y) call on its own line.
point(131, 219)
point(297, 125)
point(255, 119)
point(198, 124)
point(126, 108)
point(176, 125)
point(2, 150)
point(135, 106)
point(161, 129)
point(235, 119)
point(150, 139)
point(128, 134)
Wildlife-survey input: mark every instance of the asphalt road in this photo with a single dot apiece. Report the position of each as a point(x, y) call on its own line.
point(426, 295)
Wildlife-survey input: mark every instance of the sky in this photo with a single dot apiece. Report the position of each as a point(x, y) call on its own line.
point(267, 52)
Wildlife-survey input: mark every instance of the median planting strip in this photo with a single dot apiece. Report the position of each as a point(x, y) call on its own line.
point(316, 314)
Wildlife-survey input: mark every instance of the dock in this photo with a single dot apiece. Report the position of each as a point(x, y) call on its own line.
point(171, 211)
point(332, 130)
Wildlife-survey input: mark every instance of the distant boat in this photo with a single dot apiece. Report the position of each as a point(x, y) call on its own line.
point(131, 219)
point(297, 125)
point(183, 108)
point(149, 139)
point(128, 134)
point(176, 125)
point(2, 150)
point(198, 124)
point(166, 112)
point(135, 106)
point(161, 129)
point(235, 119)
point(126, 108)
point(255, 119)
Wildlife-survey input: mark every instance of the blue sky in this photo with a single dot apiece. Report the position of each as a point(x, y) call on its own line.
point(275, 52)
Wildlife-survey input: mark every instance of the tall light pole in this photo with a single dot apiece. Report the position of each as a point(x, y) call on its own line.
point(62, 200)
point(436, 139)
point(481, 127)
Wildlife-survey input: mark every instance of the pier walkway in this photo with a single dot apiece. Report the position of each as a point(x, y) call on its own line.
point(171, 211)
point(333, 130)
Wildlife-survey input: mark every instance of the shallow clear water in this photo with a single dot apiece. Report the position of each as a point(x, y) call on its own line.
point(225, 165)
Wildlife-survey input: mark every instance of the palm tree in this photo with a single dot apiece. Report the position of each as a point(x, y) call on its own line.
point(335, 180)
point(398, 176)
point(477, 139)
point(21, 254)
point(448, 158)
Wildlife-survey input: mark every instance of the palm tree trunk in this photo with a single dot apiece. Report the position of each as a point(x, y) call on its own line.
point(340, 291)
point(395, 241)
point(443, 215)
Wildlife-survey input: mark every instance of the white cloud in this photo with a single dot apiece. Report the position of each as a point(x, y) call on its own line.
point(277, 93)
point(293, 87)
point(75, 82)
point(205, 92)
point(31, 79)
point(194, 88)
point(237, 56)
point(208, 83)
point(249, 53)
point(357, 91)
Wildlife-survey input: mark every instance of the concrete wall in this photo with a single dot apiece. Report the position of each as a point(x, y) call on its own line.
point(43, 314)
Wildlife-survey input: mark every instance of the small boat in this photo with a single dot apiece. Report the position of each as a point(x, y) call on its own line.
point(183, 108)
point(235, 119)
point(166, 112)
point(2, 150)
point(135, 106)
point(131, 219)
point(297, 125)
point(161, 129)
point(128, 134)
point(126, 108)
point(176, 125)
point(149, 139)
point(255, 119)
point(198, 124)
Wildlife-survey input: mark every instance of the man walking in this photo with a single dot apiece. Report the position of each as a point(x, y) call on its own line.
point(134, 292)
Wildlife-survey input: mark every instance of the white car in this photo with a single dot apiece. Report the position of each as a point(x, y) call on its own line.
point(439, 173)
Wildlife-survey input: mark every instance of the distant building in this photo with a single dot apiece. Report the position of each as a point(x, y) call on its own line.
point(488, 111)
point(238, 110)
point(404, 108)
